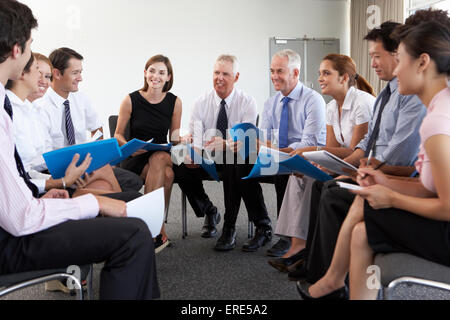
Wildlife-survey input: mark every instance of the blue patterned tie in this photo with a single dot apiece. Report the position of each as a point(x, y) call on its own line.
point(284, 124)
point(69, 124)
point(19, 164)
point(222, 120)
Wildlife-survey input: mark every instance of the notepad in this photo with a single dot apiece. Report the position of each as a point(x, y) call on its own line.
point(271, 162)
point(150, 208)
point(330, 161)
point(102, 153)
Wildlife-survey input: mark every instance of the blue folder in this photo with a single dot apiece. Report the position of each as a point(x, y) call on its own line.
point(267, 165)
point(208, 165)
point(135, 144)
point(247, 133)
point(102, 153)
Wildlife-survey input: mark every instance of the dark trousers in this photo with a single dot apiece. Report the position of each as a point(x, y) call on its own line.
point(128, 181)
point(191, 183)
point(329, 208)
point(280, 183)
point(124, 244)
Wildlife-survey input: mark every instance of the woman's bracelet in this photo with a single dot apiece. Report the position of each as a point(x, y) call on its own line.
point(64, 183)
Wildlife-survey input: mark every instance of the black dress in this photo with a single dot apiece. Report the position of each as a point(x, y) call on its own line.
point(148, 121)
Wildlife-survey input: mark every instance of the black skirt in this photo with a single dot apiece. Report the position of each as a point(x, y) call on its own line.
point(394, 230)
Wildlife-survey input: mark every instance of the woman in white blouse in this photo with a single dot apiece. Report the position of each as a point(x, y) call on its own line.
point(348, 116)
point(31, 141)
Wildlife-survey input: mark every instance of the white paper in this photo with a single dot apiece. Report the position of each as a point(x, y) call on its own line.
point(150, 208)
point(329, 161)
point(96, 136)
point(349, 186)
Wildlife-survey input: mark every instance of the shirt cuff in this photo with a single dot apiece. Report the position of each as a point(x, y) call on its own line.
point(89, 206)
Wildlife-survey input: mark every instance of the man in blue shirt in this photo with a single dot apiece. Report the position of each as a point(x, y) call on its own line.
point(393, 137)
point(293, 118)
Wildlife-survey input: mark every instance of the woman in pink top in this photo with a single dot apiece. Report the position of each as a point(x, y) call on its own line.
point(392, 215)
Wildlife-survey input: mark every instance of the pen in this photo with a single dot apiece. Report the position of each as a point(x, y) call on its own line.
point(370, 157)
point(380, 165)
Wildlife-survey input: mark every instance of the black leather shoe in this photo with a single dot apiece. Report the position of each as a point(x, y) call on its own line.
point(279, 248)
point(299, 272)
point(227, 240)
point(209, 229)
point(262, 236)
point(303, 290)
point(283, 264)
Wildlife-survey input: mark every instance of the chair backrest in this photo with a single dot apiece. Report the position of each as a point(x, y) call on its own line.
point(112, 121)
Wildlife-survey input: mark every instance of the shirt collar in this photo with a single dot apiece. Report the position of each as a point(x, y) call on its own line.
point(296, 93)
point(14, 98)
point(348, 99)
point(228, 99)
point(393, 85)
point(56, 98)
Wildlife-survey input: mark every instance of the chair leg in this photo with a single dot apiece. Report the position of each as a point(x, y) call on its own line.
point(183, 214)
point(250, 229)
point(166, 213)
point(90, 292)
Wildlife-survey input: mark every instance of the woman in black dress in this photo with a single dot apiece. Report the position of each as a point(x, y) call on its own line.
point(152, 112)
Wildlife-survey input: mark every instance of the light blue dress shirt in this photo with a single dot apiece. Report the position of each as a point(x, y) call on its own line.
point(307, 119)
point(399, 140)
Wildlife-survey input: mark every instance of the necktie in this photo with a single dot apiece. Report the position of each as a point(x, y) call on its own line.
point(222, 120)
point(69, 124)
point(19, 164)
point(284, 124)
point(376, 129)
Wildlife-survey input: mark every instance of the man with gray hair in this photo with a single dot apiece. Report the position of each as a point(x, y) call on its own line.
point(293, 118)
point(213, 114)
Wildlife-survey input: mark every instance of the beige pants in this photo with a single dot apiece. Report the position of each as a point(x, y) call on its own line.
point(293, 220)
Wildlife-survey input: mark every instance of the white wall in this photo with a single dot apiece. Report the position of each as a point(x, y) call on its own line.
point(116, 37)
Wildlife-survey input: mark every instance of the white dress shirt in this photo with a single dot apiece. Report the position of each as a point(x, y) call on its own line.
point(84, 117)
point(240, 108)
point(356, 110)
point(20, 213)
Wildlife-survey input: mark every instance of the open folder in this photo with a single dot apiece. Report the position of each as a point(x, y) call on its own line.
point(247, 134)
point(102, 153)
point(150, 208)
point(135, 144)
point(205, 162)
point(272, 162)
point(330, 161)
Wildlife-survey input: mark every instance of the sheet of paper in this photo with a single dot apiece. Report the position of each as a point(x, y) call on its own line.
point(150, 208)
point(349, 186)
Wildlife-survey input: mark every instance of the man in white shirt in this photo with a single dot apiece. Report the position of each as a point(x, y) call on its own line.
point(214, 113)
point(68, 115)
point(64, 227)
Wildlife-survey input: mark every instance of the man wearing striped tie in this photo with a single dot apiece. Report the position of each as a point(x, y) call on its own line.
point(69, 115)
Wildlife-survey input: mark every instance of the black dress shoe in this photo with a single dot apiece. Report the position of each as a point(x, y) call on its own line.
point(227, 240)
point(303, 290)
point(288, 264)
point(262, 236)
point(299, 272)
point(209, 229)
point(279, 248)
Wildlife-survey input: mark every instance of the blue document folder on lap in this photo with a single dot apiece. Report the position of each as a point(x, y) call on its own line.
point(102, 153)
point(207, 164)
point(272, 162)
point(247, 133)
point(135, 144)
